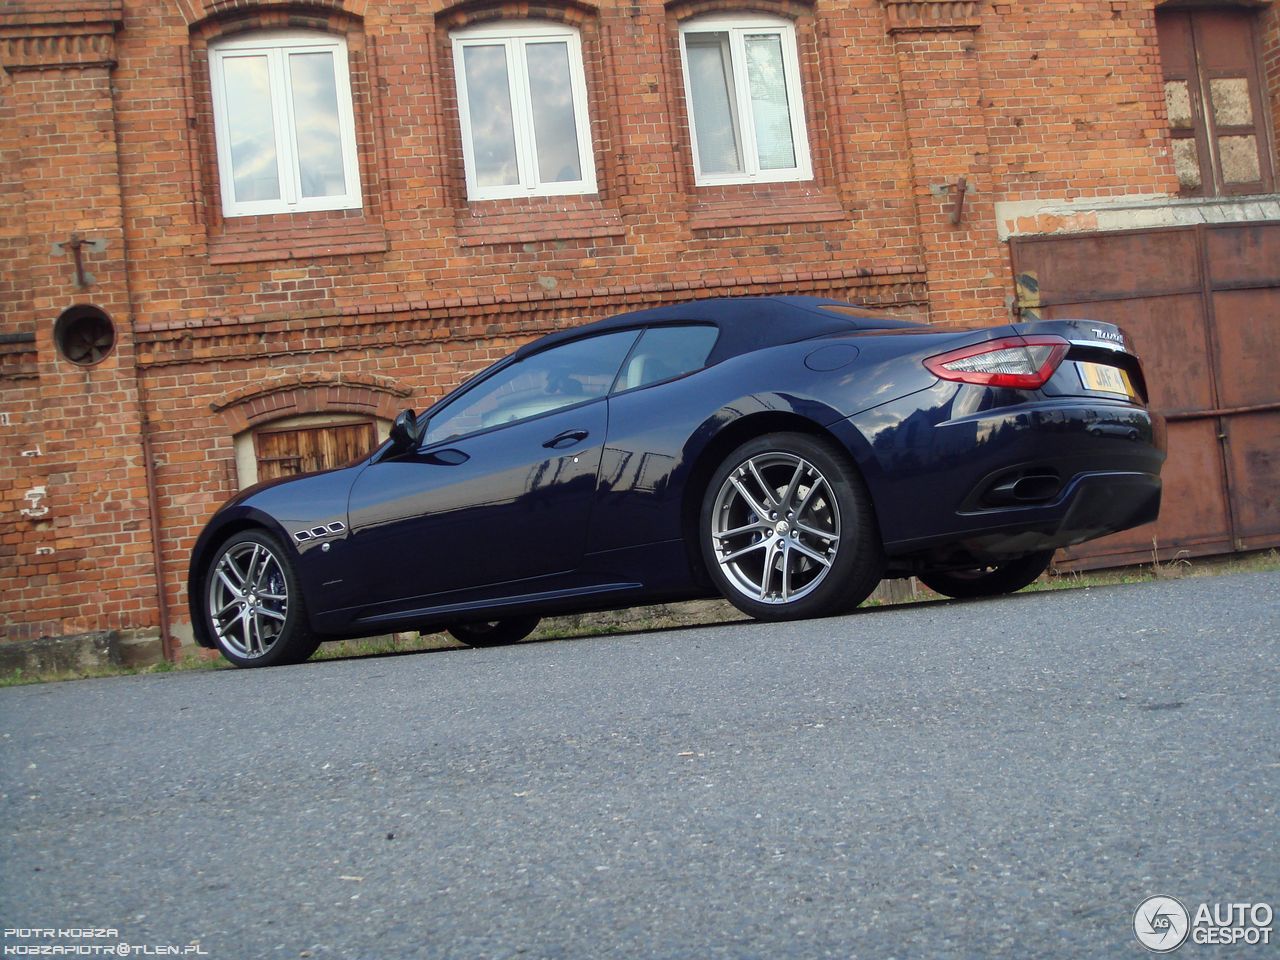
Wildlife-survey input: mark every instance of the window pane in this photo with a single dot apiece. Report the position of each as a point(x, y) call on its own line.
point(715, 124)
point(555, 129)
point(493, 138)
point(1177, 99)
point(1231, 104)
point(1239, 159)
point(560, 377)
point(1187, 163)
point(667, 352)
point(251, 131)
point(315, 118)
point(770, 114)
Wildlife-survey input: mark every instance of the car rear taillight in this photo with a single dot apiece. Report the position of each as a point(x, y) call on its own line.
point(1024, 363)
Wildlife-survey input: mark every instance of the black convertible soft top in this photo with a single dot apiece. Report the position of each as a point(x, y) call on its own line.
point(745, 323)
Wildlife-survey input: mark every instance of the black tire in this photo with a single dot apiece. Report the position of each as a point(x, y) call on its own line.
point(989, 581)
point(827, 563)
point(493, 633)
point(253, 604)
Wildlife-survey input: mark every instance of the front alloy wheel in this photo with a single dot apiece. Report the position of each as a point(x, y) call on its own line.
point(788, 530)
point(253, 604)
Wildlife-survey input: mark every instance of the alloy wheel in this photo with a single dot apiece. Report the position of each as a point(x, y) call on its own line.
point(775, 527)
point(248, 599)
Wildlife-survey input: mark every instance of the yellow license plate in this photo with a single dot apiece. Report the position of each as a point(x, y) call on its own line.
point(1099, 376)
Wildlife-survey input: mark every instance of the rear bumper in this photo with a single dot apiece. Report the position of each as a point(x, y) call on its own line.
point(1091, 506)
point(1013, 479)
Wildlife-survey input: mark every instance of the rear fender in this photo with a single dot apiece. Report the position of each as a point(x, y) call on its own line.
point(748, 418)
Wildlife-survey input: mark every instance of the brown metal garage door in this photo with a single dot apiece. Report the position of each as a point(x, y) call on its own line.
point(1202, 305)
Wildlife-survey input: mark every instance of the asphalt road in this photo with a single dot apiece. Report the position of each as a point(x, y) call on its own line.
point(1006, 777)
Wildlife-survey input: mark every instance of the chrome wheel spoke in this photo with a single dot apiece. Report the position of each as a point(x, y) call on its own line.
point(256, 626)
point(256, 564)
point(750, 548)
point(811, 554)
point(815, 532)
point(757, 508)
point(228, 568)
point(766, 577)
point(246, 629)
point(217, 614)
point(809, 494)
point(785, 502)
point(268, 612)
point(760, 481)
point(222, 575)
point(739, 531)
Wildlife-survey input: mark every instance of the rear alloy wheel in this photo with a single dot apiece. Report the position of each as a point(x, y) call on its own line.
point(787, 529)
point(991, 580)
point(254, 607)
point(493, 633)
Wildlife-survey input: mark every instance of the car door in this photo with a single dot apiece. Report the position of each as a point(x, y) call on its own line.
point(656, 403)
point(501, 487)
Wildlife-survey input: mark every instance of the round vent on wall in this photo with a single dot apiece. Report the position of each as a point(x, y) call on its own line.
point(84, 335)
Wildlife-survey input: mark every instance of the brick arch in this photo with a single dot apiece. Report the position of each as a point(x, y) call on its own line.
point(294, 396)
point(468, 12)
point(681, 10)
point(324, 17)
point(199, 13)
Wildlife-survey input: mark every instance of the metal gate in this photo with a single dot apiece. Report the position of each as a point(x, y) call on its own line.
point(1202, 304)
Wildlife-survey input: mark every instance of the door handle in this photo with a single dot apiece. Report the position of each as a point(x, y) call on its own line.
point(447, 458)
point(566, 439)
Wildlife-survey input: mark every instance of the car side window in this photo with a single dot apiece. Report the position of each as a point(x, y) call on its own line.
point(559, 377)
point(666, 352)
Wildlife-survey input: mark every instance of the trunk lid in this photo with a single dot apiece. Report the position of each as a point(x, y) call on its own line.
point(1101, 361)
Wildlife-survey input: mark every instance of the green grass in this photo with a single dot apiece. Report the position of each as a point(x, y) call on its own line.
point(19, 678)
point(675, 615)
point(1162, 570)
point(377, 646)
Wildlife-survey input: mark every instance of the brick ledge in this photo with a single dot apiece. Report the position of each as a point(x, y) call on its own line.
point(780, 211)
point(335, 241)
point(512, 227)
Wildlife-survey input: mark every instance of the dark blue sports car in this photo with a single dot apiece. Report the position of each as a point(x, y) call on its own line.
point(785, 452)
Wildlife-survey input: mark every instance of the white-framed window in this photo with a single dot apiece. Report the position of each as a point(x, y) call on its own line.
point(522, 104)
point(742, 91)
point(283, 123)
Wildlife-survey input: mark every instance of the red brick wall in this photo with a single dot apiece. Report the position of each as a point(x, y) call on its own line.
point(1270, 22)
point(393, 304)
point(76, 540)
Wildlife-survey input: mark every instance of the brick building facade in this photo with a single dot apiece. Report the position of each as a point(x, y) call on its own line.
point(158, 318)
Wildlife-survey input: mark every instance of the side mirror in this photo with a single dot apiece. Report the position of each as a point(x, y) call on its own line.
point(405, 433)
